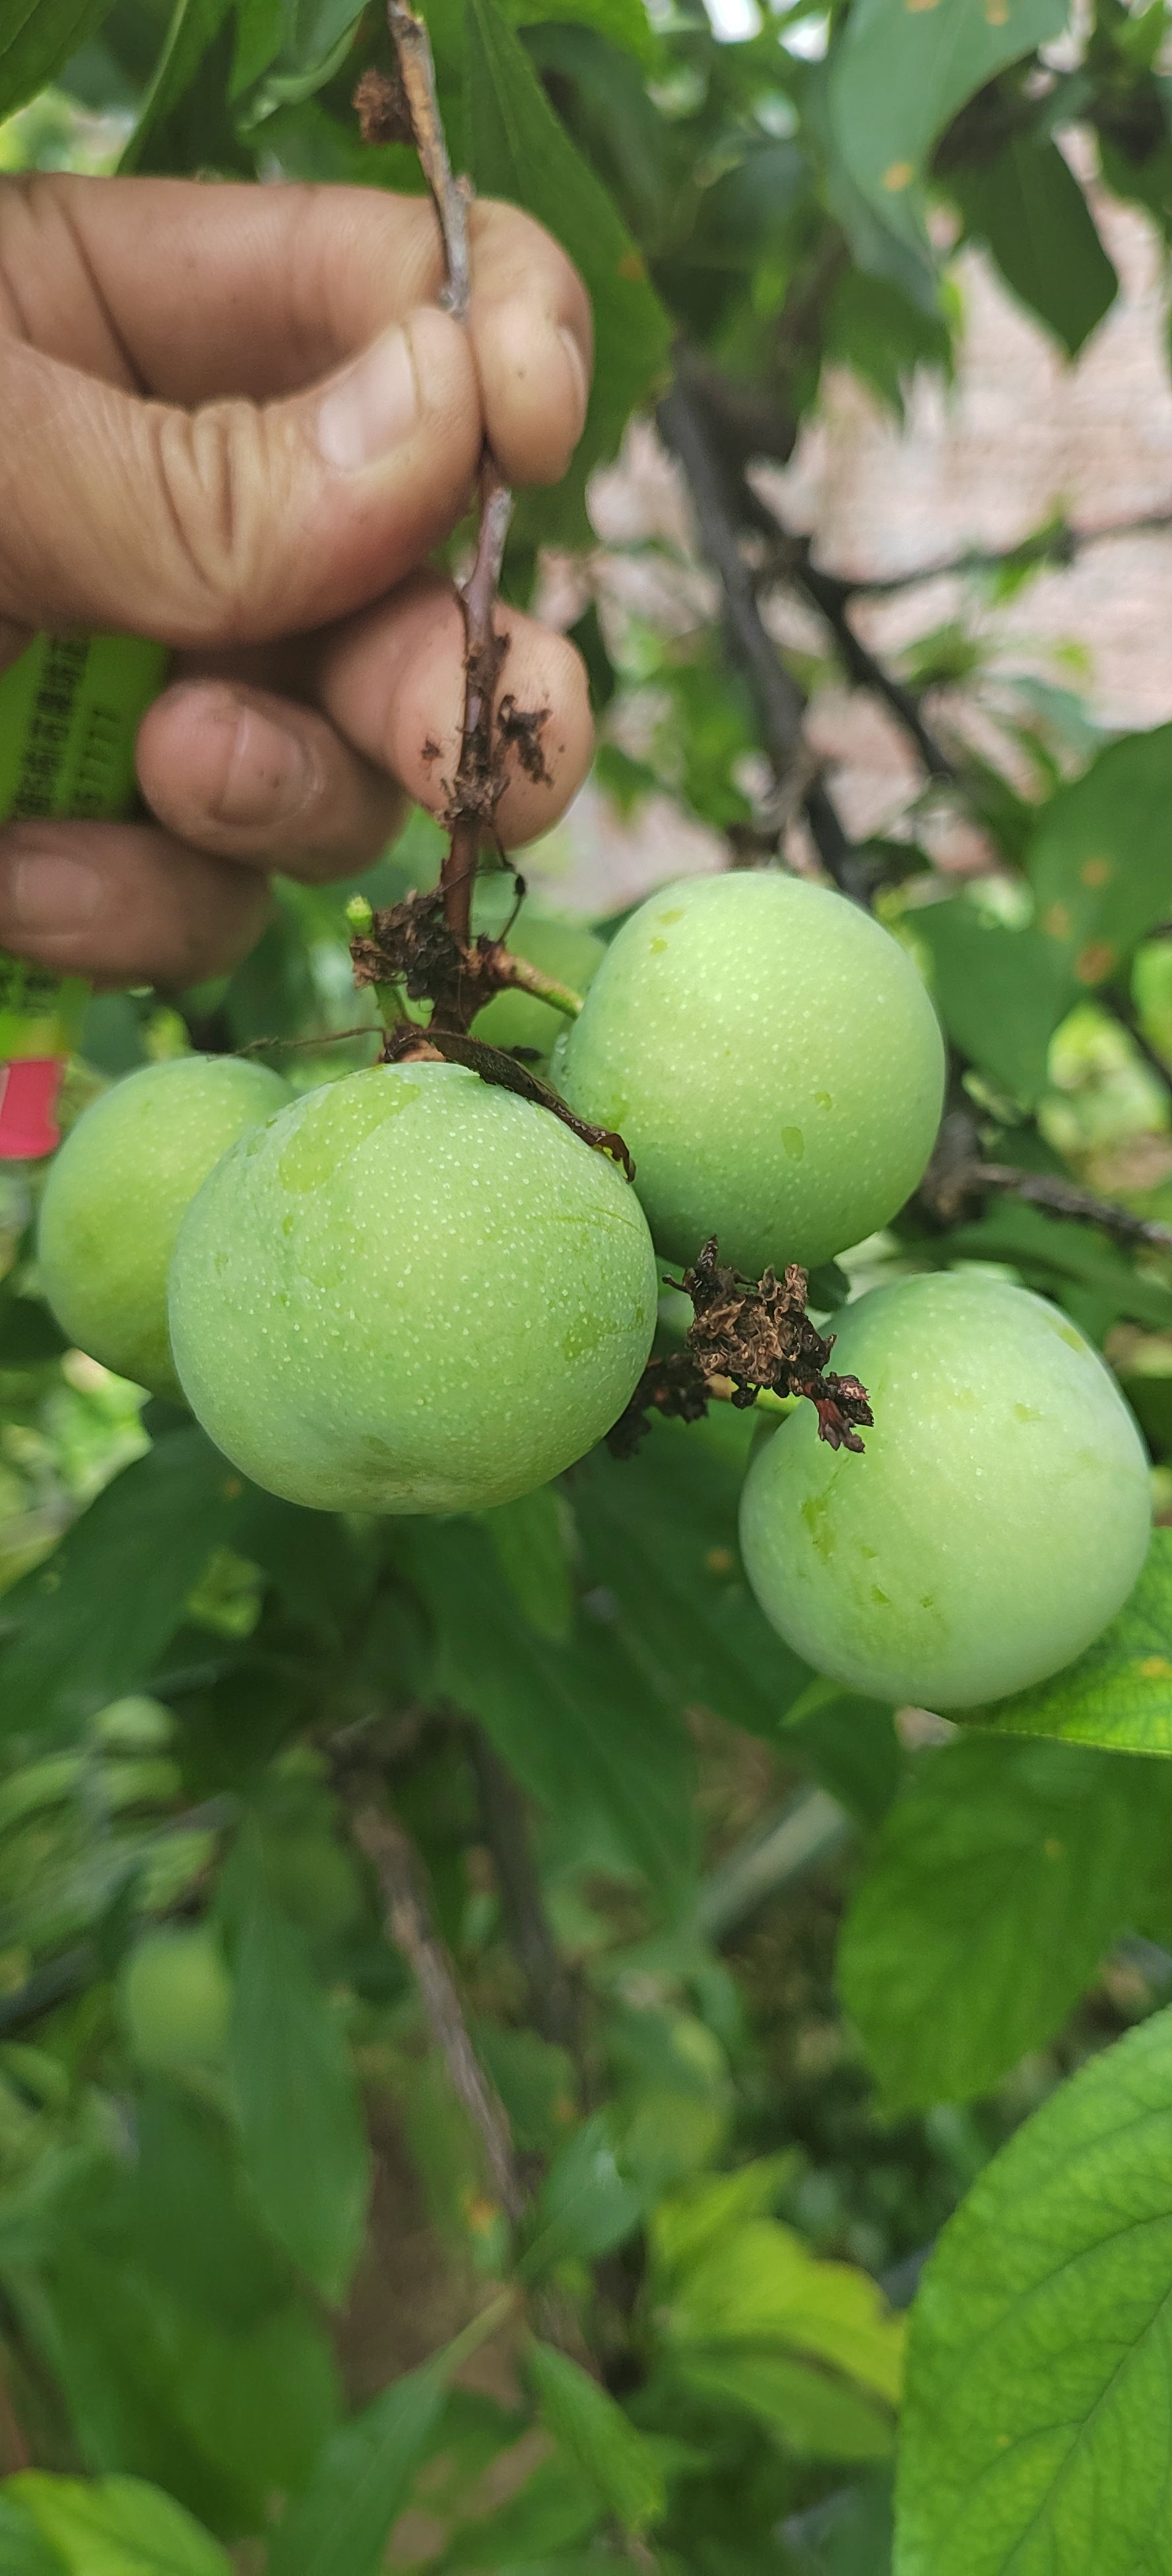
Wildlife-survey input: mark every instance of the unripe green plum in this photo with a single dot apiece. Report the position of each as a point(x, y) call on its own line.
point(116, 1195)
point(411, 1292)
point(773, 1061)
point(175, 1998)
point(998, 1516)
point(566, 951)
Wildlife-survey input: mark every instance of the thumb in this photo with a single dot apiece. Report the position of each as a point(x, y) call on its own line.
point(234, 522)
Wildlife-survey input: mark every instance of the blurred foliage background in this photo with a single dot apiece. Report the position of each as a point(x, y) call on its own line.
point(760, 1977)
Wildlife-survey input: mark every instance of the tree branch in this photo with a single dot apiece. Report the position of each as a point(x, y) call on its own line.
point(1059, 546)
point(413, 1934)
point(779, 699)
point(862, 666)
point(479, 777)
point(957, 1175)
point(449, 196)
point(553, 2006)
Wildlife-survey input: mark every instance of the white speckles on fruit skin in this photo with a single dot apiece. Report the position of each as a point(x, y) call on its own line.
point(773, 1061)
point(116, 1195)
point(996, 1521)
point(423, 1294)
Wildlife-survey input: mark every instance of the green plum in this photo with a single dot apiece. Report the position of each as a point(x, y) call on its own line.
point(411, 1292)
point(118, 1190)
point(997, 1519)
point(773, 1061)
point(565, 950)
point(175, 1998)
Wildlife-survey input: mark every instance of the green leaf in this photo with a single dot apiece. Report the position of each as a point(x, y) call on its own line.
point(596, 2433)
point(999, 1878)
point(659, 1533)
point(90, 1621)
point(301, 2129)
point(557, 2506)
point(1027, 207)
point(23, 2549)
point(516, 147)
point(1001, 993)
point(219, 2262)
point(1094, 1280)
point(183, 123)
point(37, 40)
point(339, 2526)
point(693, 2218)
point(117, 2527)
point(805, 2411)
point(1101, 857)
point(761, 2285)
point(1119, 1694)
point(530, 1539)
point(1038, 2424)
point(581, 1728)
point(588, 2203)
point(898, 75)
point(622, 22)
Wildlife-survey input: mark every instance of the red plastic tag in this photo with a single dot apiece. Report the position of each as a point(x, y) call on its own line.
point(28, 1098)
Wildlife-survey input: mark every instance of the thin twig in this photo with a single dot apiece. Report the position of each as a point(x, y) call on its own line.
point(480, 775)
point(450, 198)
point(552, 2001)
point(1058, 546)
point(410, 1929)
point(780, 700)
point(864, 667)
point(1064, 1198)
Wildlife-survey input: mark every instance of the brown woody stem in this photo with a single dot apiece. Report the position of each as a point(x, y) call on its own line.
point(412, 46)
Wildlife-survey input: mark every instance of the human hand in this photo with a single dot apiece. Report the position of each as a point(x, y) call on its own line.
point(235, 419)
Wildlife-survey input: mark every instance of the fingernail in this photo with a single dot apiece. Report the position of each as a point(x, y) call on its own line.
point(372, 408)
point(50, 893)
point(268, 775)
point(578, 376)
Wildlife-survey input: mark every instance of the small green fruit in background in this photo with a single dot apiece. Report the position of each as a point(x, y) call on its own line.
point(773, 1061)
point(117, 1192)
point(175, 1999)
point(997, 1519)
point(411, 1292)
point(563, 949)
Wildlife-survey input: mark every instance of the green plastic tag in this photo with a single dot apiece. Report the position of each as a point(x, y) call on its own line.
point(70, 709)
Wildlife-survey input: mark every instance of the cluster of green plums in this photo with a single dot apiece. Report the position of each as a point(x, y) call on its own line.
point(414, 1291)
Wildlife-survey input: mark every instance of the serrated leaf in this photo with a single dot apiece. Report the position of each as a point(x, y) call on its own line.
point(117, 2527)
point(1119, 1694)
point(597, 2434)
point(899, 73)
point(89, 1623)
point(302, 2135)
point(577, 1722)
point(1101, 858)
point(1027, 207)
point(1038, 2422)
point(339, 2526)
point(1001, 993)
point(806, 2411)
point(517, 148)
point(999, 1878)
point(37, 40)
point(762, 2286)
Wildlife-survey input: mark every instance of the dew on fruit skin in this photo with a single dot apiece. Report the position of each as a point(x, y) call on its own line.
point(822, 1100)
point(657, 947)
point(882, 1598)
point(1027, 1413)
point(814, 1514)
point(794, 1143)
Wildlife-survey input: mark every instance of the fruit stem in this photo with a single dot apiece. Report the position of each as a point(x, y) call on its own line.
point(523, 978)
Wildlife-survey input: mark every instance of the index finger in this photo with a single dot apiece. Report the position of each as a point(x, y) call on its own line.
point(188, 292)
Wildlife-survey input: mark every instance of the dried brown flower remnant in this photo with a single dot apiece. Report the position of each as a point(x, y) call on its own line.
point(384, 115)
point(759, 1337)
